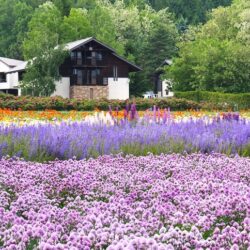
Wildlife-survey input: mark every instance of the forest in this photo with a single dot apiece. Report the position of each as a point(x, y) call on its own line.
point(208, 41)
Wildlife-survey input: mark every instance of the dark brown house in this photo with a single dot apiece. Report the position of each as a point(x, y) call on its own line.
point(96, 71)
point(93, 70)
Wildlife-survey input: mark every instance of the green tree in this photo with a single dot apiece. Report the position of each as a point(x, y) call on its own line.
point(42, 72)
point(216, 57)
point(76, 25)
point(64, 6)
point(43, 36)
point(160, 45)
point(44, 31)
point(147, 36)
point(194, 11)
point(103, 26)
point(14, 19)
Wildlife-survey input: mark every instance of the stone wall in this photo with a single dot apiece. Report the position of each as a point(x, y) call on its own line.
point(88, 92)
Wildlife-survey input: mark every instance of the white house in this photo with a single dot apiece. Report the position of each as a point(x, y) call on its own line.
point(9, 80)
point(92, 71)
point(163, 88)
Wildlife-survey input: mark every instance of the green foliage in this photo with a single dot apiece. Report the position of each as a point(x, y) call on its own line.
point(143, 35)
point(33, 243)
point(217, 100)
point(44, 30)
point(59, 103)
point(64, 6)
point(151, 39)
point(104, 26)
point(41, 73)
point(144, 32)
point(76, 26)
point(14, 19)
point(216, 57)
point(193, 12)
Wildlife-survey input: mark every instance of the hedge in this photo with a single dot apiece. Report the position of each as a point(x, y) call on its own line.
point(218, 100)
point(59, 103)
point(182, 101)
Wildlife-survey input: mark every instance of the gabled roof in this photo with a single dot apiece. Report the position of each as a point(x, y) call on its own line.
point(20, 67)
point(167, 62)
point(10, 62)
point(132, 65)
point(74, 45)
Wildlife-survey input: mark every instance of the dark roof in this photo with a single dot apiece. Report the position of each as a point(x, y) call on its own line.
point(76, 44)
point(132, 65)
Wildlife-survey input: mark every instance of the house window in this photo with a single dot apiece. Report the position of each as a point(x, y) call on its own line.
point(93, 76)
point(105, 81)
point(20, 76)
point(98, 56)
point(79, 57)
point(115, 73)
point(79, 77)
point(94, 56)
point(72, 55)
point(2, 77)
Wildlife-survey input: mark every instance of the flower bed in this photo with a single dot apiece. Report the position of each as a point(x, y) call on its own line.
point(28, 117)
point(81, 140)
point(153, 202)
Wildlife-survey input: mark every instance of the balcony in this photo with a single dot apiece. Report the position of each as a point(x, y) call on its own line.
point(87, 77)
point(87, 59)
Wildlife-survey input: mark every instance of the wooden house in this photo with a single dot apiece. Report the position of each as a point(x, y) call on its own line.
point(93, 70)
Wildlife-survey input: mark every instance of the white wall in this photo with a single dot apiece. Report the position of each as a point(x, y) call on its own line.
point(63, 88)
point(12, 79)
point(118, 89)
point(165, 85)
point(4, 67)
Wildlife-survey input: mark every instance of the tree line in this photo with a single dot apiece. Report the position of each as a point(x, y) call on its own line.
point(215, 56)
point(144, 31)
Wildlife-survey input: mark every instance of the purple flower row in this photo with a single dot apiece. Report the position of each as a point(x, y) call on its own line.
point(153, 202)
point(80, 140)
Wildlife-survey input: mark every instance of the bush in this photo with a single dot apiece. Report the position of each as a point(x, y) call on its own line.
point(218, 100)
point(181, 101)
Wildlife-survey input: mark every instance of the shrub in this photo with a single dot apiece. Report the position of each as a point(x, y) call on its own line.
point(181, 101)
point(218, 100)
point(59, 103)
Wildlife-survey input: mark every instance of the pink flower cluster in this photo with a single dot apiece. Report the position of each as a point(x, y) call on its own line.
point(113, 202)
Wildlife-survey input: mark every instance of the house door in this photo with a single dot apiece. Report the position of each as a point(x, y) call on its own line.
point(91, 93)
point(93, 76)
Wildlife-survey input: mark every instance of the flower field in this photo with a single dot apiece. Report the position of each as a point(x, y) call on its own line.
point(154, 202)
point(20, 117)
point(124, 180)
point(82, 140)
